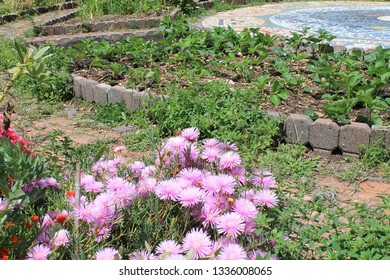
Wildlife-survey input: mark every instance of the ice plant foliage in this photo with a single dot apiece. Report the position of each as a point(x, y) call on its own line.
point(206, 180)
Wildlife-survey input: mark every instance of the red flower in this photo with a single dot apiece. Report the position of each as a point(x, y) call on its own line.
point(70, 193)
point(29, 224)
point(4, 258)
point(4, 251)
point(35, 218)
point(15, 239)
point(62, 217)
point(9, 224)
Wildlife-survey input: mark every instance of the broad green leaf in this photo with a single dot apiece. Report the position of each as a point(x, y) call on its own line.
point(275, 99)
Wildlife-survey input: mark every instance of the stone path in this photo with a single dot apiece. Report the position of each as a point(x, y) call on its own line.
point(358, 24)
point(18, 28)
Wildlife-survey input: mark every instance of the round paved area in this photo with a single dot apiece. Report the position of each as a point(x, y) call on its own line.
point(363, 25)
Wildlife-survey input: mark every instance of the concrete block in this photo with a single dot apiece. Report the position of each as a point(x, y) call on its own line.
point(115, 94)
point(132, 24)
point(100, 94)
point(297, 128)
point(49, 30)
point(139, 100)
point(87, 90)
point(70, 29)
point(353, 135)
point(116, 37)
point(121, 24)
point(141, 23)
point(322, 152)
point(324, 135)
point(381, 134)
point(100, 26)
point(127, 97)
point(78, 82)
point(59, 30)
point(152, 22)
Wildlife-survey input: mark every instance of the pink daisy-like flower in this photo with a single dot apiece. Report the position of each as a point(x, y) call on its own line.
point(147, 186)
point(210, 185)
point(106, 199)
point(193, 175)
point(176, 144)
point(211, 142)
point(169, 247)
point(230, 224)
point(225, 183)
point(47, 221)
point(137, 166)
point(101, 232)
point(249, 194)
point(107, 254)
point(116, 183)
point(39, 252)
point(142, 255)
point(264, 179)
point(124, 196)
point(245, 208)
point(168, 189)
point(211, 154)
point(85, 212)
point(238, 173)
point(190, 196)
point(86, 180)
point(209, 215)
point(266, 198)
point(190, 134)
point(232, 252)
point(103, 214)
point(198, 242)
point(229, 160)
point(189, 154)
point(228, 146)
point(148, 171)
point(61, 238)
point(94, 187)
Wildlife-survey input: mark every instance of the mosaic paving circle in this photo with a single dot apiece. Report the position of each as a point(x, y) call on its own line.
point(357, 24)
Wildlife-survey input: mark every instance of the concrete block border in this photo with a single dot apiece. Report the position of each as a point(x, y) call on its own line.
point(37, 11)
point(323, 135)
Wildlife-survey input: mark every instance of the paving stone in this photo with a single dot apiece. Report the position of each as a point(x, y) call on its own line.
point(78, 82)
point(297, 128)
point(382, 134)
point(87, 90)
point(123, 129)
point(100, 93)
point(324, 134)
point(353, 135)
point(115, 94)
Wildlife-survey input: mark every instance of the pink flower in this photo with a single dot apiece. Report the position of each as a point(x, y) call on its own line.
point(245, 208)
point(142, 255)
point(239, 174)
point(264, 179)
point(175, 257)
point(198, 242)
point(146, 186)
point(189, 154)
point(232, 252)
point(168, 189)
point(176, 144)
point(94, 187)
point(211, 142)
point(230, 224)
point(191, 174)
point(190, 196)
point(61, 238)
point(225, 183)
point(228, 146)
point(107, 254)
point(86, 180)
point(103, 214)
point(124, 196)
point(169, 247)
point(209, 215)
point(266, 198)
point(116, 183)
point(190, 134)
point(137, 166)
point(229, 160)
point(85, 212)
point(39, 252)
point(211, 154)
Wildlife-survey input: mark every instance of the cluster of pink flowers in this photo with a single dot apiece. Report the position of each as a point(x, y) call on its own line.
point(14, 138)
point(207, 179)
point(51, 235)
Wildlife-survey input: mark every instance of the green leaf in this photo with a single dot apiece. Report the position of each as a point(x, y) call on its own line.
point(284, 94)
point(275, 99)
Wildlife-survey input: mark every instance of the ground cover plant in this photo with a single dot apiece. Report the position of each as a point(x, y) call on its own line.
point(299, 70)
point(213, 182)
point(11, 6)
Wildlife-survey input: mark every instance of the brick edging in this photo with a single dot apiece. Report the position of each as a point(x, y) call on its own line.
point(323, 135)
